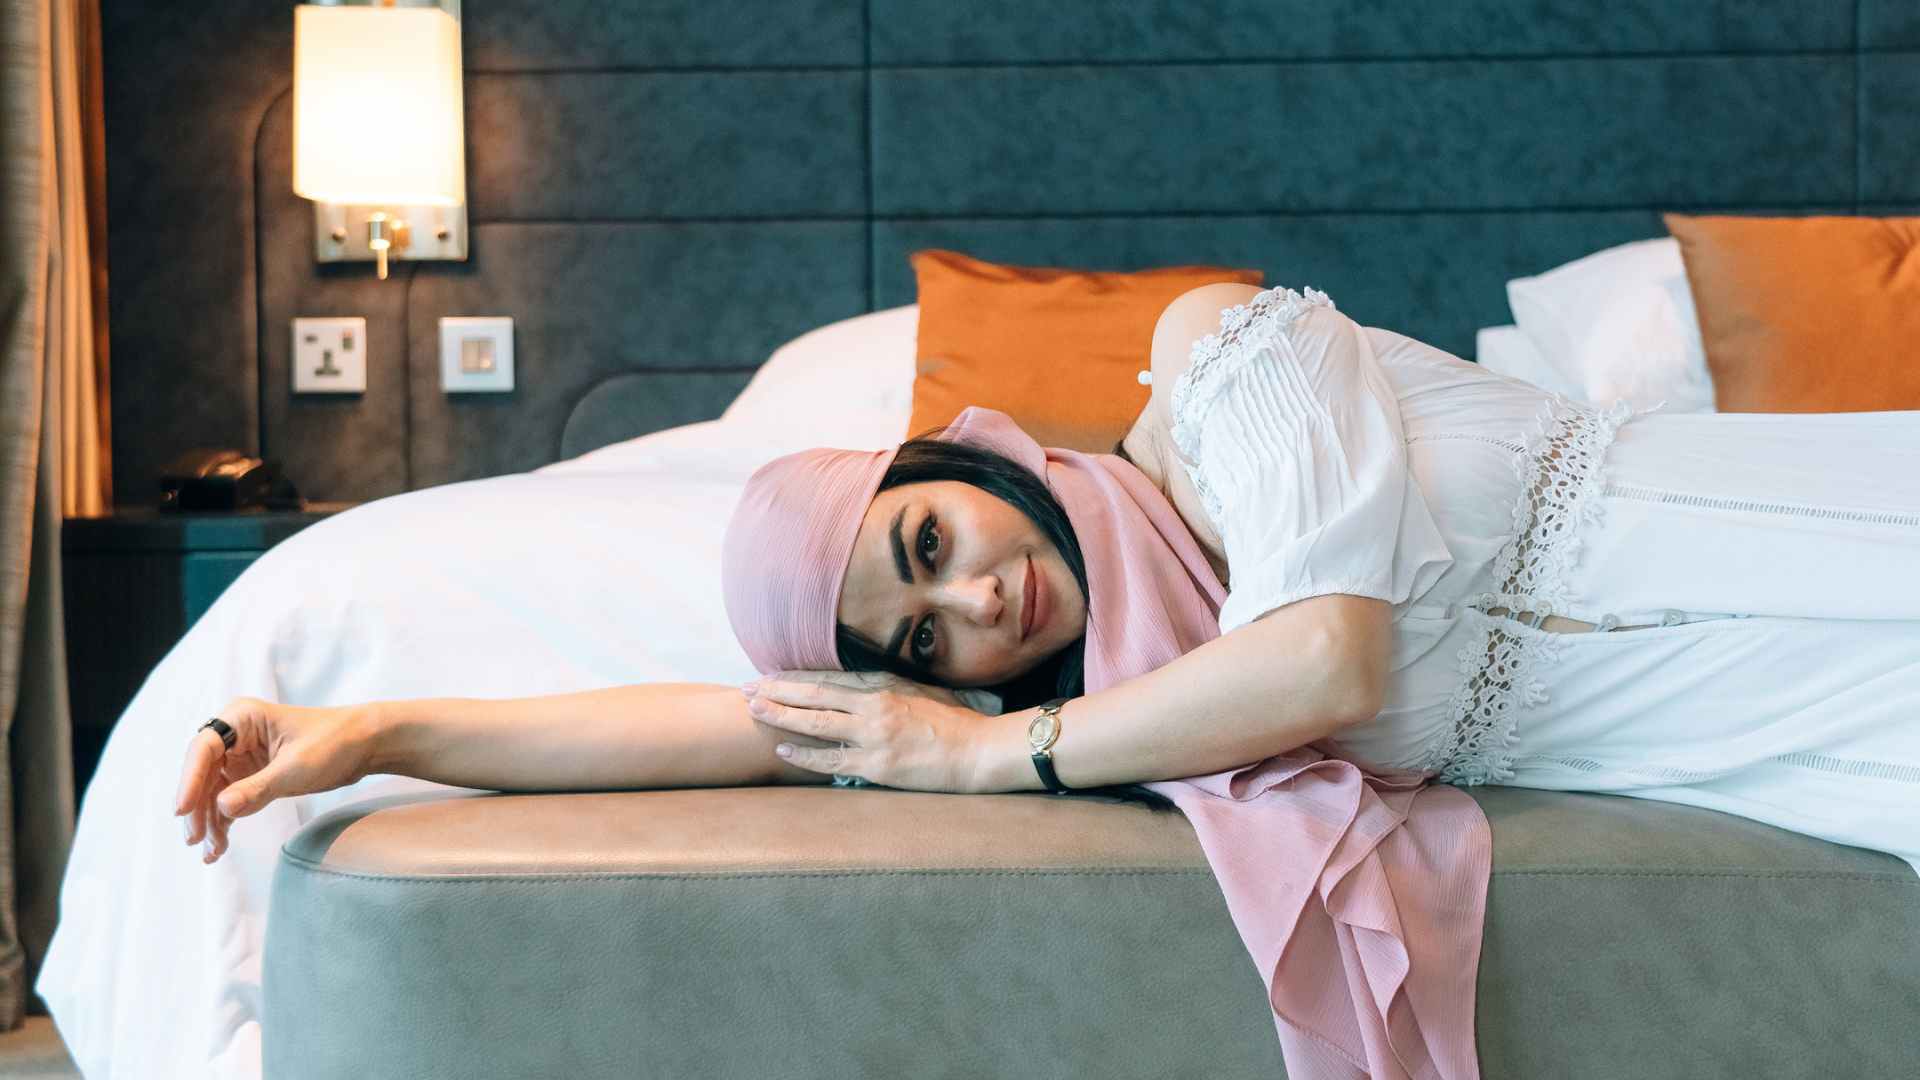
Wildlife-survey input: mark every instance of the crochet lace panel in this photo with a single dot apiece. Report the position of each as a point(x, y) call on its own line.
point(1214, 361)
point(1559, 469)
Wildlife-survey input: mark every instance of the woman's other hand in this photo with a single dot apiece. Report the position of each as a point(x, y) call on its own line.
point(898, 733)
point(278, 750)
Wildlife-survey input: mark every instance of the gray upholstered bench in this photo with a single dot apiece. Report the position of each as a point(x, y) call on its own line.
point(839, 933)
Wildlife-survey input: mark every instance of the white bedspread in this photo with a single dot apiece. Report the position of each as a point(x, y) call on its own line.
point(599, 571)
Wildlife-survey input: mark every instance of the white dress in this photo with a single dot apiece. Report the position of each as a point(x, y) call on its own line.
point(1756, 576)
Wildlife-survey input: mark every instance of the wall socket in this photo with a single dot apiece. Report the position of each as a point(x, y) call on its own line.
point(330, 356)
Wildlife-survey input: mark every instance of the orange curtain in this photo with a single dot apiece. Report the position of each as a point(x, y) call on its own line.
point(54, 442)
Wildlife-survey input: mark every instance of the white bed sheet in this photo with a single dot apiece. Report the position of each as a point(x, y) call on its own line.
point(598, 571)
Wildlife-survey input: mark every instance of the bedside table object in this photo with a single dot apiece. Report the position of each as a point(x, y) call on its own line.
point(214, 479)
point(135, 581)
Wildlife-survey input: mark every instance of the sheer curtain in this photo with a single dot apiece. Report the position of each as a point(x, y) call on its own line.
point(54, 442)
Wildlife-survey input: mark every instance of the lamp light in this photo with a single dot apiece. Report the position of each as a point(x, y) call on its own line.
point(377, 125)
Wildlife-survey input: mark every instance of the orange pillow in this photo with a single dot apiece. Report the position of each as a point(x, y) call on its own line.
point(1811, 314)
point(1058, 350)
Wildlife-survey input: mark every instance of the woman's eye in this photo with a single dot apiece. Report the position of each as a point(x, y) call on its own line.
point(923, 640)
point(929, 542)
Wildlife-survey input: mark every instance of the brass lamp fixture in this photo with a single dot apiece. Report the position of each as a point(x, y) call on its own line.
point(377, 129)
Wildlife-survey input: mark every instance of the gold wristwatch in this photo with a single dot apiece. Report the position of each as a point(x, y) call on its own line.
point(1042, 732)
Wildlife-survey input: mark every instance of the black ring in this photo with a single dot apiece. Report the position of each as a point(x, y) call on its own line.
point(220, 728)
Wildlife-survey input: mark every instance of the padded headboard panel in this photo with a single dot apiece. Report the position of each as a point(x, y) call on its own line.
point(662, 192)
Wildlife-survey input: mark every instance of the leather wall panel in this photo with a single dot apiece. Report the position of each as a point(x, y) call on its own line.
point(518, 35)
point(1019, 31)
point(612, 146)
point(1890, 144)
point(1234, 138)
point(1889, 24)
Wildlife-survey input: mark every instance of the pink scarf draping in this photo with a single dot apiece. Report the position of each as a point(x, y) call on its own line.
point(1360, 893)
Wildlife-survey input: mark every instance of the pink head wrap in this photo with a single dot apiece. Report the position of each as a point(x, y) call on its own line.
point(1359, 892)
point(1151, 594)
point(786, 553)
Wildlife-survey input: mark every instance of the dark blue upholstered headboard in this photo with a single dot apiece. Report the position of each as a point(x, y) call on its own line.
point(662, 192)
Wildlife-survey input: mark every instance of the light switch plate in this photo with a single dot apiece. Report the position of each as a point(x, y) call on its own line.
point(329, 356)
point(476, 353)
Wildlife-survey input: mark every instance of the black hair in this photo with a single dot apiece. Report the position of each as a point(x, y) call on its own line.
point(926, 458)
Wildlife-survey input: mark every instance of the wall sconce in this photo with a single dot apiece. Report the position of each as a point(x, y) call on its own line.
point(377, 130)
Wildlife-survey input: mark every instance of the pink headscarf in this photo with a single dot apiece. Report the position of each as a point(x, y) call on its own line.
point(1375, 979)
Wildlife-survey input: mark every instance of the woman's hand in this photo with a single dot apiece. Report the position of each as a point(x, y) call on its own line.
point(278, 750)
point(898, 733)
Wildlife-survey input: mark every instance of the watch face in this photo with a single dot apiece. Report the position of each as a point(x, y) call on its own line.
point(1040, 731)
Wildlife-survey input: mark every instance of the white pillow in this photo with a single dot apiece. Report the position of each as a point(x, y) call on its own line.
point(1504, 349)
point(847, 383)
point(1619, 324)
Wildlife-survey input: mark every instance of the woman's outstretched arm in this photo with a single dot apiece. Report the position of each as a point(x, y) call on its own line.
point(657, 735)
point(651, 735)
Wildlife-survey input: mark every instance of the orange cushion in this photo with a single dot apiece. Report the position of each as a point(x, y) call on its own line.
point(1810, 314)
point(1057, 350)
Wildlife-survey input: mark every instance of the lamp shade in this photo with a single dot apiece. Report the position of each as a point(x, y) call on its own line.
point(376, 106)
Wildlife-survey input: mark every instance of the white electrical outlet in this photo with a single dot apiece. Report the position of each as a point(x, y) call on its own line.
point(476, 353)
point(330, 356)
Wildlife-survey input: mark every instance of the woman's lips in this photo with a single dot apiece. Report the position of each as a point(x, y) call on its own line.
point(1026, 602)
point(1039, 604)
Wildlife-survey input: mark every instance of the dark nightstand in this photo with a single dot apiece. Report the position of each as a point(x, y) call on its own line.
point(135, 582)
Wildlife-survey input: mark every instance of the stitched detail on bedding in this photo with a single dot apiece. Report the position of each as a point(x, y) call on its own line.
point(1878, 770)
point(1559, 469)
point(1578, 764)
point(1217, 357)
point(1872, 517)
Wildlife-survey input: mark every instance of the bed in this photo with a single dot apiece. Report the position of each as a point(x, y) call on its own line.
point(449, 931)
point(568, 538)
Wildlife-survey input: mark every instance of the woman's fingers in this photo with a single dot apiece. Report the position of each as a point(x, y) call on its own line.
point(221, 823)
point(824, 712)
point(203, 752)
point(789, 718)
point(825, 759)
point(206, 771)
point(811, 694)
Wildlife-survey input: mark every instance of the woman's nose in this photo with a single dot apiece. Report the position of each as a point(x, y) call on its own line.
point(977, 598)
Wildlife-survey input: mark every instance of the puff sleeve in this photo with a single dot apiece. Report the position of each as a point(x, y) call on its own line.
point(1291, 433)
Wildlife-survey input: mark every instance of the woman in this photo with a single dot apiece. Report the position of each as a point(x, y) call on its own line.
point(1415, 564)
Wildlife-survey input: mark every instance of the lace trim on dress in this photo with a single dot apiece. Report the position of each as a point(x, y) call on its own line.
point(1213, 362)
point(1559, 470)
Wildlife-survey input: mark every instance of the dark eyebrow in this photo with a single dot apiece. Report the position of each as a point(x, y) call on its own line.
point(900, 550)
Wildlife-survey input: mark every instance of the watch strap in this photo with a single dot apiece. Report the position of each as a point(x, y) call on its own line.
point(1043, 759)
point(1043, 764)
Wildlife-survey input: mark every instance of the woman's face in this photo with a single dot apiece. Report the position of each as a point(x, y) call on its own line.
point(943, 576)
